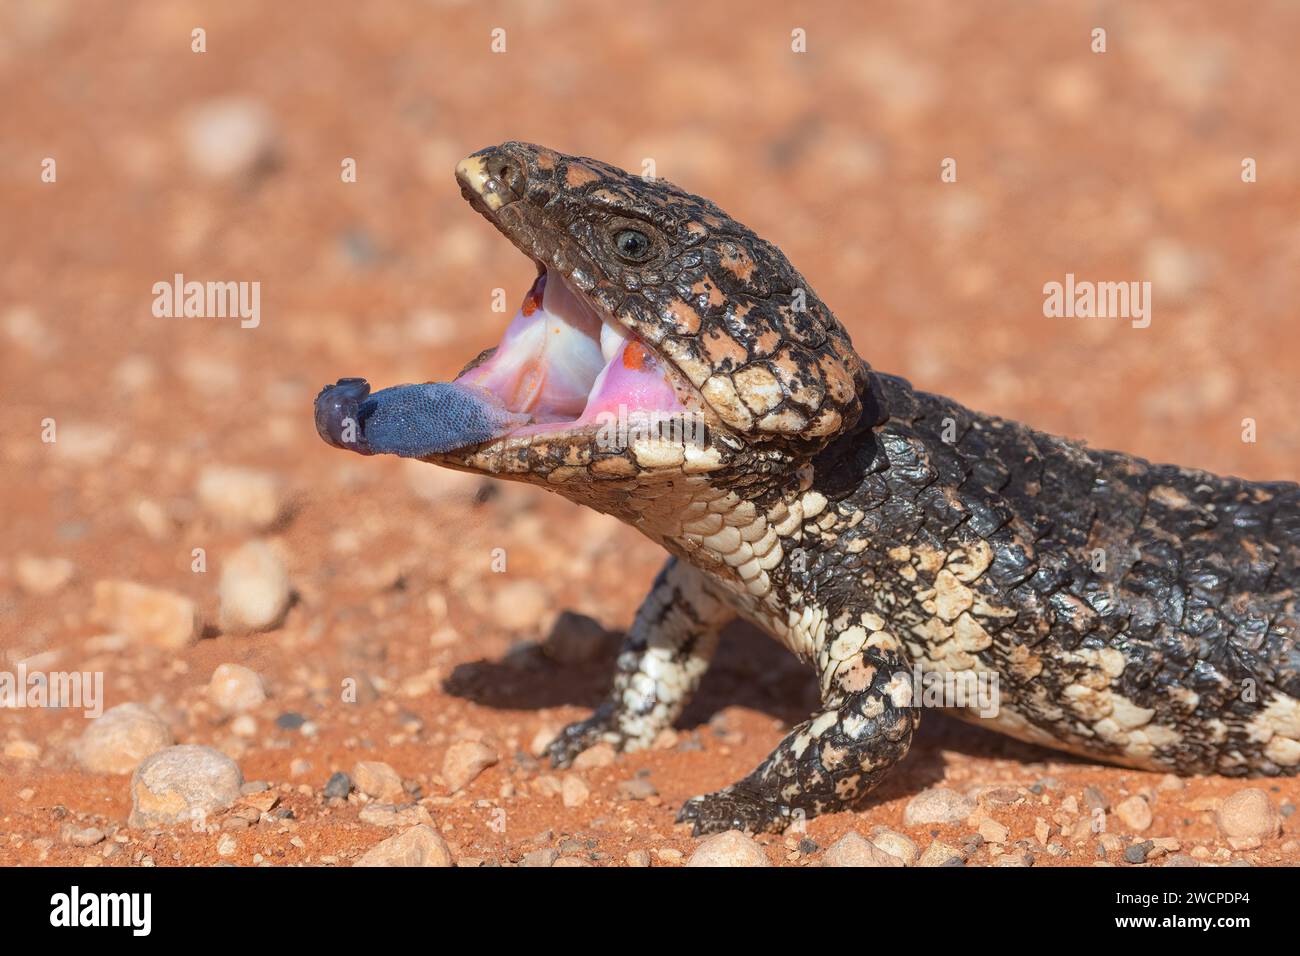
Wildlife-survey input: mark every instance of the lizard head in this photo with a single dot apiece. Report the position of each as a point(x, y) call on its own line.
point(660, 336)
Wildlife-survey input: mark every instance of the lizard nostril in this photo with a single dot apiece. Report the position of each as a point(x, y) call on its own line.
point(509, 174)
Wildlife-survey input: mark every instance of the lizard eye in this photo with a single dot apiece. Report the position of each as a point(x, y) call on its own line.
point(632, 245)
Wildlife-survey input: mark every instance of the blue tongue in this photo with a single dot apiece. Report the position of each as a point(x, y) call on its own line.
point(412, 421)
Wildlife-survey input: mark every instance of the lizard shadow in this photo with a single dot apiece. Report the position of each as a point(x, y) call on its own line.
point(749, 670)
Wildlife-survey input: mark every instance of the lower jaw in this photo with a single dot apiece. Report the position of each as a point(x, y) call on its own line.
point(540, 383)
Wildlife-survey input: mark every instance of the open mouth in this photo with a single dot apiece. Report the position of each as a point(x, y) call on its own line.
point(561, 368)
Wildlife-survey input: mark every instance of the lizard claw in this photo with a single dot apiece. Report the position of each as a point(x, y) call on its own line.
point(734, 808)
point(579, 736)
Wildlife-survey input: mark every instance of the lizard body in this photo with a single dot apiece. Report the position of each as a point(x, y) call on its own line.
point(1135, 613)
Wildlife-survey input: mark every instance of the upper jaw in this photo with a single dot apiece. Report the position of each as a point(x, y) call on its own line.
point(564, 370)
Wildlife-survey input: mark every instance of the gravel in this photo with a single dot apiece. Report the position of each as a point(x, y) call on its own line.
point(544, 857)
point(574, 791)
point(938, 805)
point(421, 845)
point(42, 577)
point(146, 615)
point(183, 784)
point(897, 844)
point(88, 836)
point(228, 137)
point(254, 590)
point(601, 755)
point(638, 788)
point(993, 832)
point(464, 761)
point(241, 499)
point(378, 781)
point(520, 605)
point(855, 850)
point(1135, 813)
point(234, 689)
point(732, 848)
point(1095, 799)
point(1138, 852)
point(119, 739)
point(1248, 818)
point(338, 786)
point(941, 854)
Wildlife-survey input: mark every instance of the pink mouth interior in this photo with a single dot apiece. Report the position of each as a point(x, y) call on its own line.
point(563, 366)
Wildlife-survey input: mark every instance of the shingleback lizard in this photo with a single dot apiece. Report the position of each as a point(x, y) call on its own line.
point(1135, 613)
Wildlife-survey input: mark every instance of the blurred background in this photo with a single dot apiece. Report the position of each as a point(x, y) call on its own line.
point(225, 165)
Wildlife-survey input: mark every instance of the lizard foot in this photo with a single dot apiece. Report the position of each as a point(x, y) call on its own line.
point(737, 807)
point(579, 736)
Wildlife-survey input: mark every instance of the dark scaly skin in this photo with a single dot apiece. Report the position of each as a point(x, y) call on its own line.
point(1141, 614)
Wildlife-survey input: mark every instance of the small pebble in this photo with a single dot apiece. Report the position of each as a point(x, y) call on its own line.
point(1135, 813)
point(732, 848)
point(574, 791)
point(855, 850)
point(1137, 853)
point(993, 832)
point(338, 786)
point(464, 761)
point(42, 576)
point(254, 589)
point(1095, 799)
point(290, 721)
point(146, 615)
point(520, 605)
point(234, 688)
point(601, 755)
point(182, 784)
point(941, 854)
point(123, 736)
point(87, 837)
point(22, 750)
point(379, 781)
point(1247, 816)
point(421, 845)
point(542, 739)
point(544, 857)
point(938, 805)
point(638, 788)
point(897, 844)
point(229, 137)
point(242, 499)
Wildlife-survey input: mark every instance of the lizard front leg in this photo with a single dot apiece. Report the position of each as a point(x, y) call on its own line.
point(667, 651)
point(835, 757)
